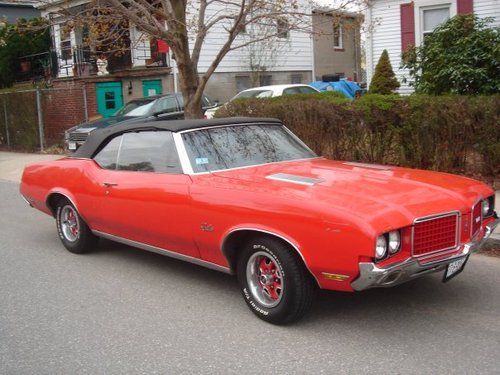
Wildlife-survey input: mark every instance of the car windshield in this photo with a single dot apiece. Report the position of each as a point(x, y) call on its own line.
point(130, 106)
point(142, 110)
point(242, 145)
point(254, 94)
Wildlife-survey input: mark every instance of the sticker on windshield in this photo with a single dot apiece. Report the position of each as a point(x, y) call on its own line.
point(200, 161)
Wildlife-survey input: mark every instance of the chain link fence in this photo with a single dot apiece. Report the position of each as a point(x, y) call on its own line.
point(35, 120)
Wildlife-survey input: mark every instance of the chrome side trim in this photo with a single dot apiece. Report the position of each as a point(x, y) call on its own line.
point(276, 235)
point(433, 217)
point(27, 201)
point(294, 179)
point(159, 250)
point(182, 153)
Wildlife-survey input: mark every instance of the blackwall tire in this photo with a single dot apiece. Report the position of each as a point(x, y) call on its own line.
point(74, 233)
point(274, 281)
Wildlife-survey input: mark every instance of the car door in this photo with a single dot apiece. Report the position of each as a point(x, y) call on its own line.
point(145, 196)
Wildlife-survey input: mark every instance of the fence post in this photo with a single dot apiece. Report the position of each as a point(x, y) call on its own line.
point(85, 107)
point(6, 122)
point(40, 117)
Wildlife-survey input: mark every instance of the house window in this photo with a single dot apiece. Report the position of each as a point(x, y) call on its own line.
point(296, 78)
point(282, 28)
point(265, 79)
point(432, 18)
point(242, 83)
point(337, 36)
point(65, 34)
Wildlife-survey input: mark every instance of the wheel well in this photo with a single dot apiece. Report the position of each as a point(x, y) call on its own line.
point(53, 200)
point(238, 238)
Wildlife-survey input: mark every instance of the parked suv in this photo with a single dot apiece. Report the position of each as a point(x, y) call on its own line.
point(165, 107)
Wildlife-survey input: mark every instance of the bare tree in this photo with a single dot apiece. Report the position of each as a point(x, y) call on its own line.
point(264, 55)
point(185, 25)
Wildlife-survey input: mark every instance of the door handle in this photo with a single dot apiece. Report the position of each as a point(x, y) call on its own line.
point(109, 184)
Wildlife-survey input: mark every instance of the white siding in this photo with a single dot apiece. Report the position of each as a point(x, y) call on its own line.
point(383, 19)
point(295, 53)
point(488, 8)
point(386, 34)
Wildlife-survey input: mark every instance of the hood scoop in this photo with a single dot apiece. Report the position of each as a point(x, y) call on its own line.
point(294, 179)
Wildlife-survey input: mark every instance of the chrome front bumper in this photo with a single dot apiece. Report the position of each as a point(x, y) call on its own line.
point(371, 276)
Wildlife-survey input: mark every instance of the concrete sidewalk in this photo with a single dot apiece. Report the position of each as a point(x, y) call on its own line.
point(13, 163)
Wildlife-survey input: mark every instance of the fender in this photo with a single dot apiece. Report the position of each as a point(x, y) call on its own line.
point(66, 194)
point(264, 229)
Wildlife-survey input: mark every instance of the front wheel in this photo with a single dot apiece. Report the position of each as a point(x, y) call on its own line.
point(74, 233)
point(274, 281)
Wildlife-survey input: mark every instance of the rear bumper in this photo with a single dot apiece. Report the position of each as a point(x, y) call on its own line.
point(371, 276)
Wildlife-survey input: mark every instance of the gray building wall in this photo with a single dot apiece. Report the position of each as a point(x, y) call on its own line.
point(327, 59)
point(10, 13)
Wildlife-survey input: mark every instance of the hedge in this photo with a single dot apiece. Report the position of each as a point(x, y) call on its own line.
point(458, 134)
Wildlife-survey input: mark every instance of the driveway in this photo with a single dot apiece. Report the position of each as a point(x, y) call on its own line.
point(12, 163)
point(122, 310)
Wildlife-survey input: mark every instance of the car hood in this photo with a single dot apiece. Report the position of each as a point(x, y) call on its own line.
point(391, 196)
point(102, 123)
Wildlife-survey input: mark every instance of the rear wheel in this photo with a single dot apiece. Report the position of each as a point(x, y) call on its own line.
point(74, 233)
point(274, 281)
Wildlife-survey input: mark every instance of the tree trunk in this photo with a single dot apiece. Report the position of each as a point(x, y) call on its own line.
point(189, 82)
point(188, 72)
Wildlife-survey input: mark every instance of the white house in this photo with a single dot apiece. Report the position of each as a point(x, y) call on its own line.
point(396, 24)
point(147, 68)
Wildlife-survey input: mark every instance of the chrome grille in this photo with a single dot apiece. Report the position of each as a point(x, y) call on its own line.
point(435, 234)
point(78, 137)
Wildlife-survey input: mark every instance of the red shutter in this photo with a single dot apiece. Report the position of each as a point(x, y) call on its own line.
point(407, 26)
point(465, 6)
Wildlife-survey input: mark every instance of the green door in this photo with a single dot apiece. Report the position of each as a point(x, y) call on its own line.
point(151, 87)
point(109, 98)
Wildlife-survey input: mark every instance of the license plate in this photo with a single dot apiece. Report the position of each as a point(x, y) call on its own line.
point(454, 268)
point(72, 145)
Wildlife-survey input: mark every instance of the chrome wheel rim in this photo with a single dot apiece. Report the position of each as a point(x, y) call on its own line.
point(70, 226)
point(265, 279)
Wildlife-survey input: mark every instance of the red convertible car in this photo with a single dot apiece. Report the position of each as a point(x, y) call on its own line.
point(246, 196)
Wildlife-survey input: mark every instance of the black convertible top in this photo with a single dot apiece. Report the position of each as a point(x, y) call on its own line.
point(98, 136)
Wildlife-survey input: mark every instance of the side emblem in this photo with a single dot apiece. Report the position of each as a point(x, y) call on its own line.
point(207, 227)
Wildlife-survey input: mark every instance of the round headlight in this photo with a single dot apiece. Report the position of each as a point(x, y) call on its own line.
point(394, 241)
point(381, 247)
point(486, 206)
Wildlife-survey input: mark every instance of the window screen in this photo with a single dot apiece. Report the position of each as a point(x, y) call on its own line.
point(433, 17)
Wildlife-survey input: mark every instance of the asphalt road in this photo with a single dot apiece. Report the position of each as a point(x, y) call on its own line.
point(122, 310)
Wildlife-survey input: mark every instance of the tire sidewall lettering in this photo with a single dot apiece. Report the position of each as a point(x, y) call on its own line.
point(247, 295)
